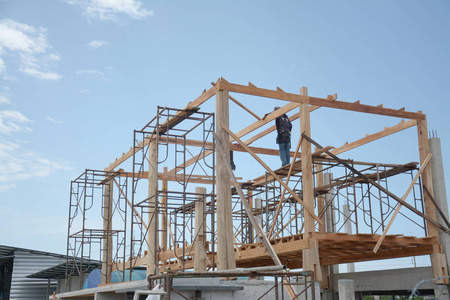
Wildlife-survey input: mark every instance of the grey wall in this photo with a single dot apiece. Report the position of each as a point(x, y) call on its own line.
point(26, 263)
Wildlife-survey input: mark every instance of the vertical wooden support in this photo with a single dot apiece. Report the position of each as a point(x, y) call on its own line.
point(199, 256)
point(107, 231)
point(225, 249)
point(310, 255)
point(152, 216)
point(438, 261)
point(307, 171)
point(163, 225)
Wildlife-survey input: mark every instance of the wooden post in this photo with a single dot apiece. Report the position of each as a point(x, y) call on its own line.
point(438, 261)
point(225, 249)
point(307, 172)
point(199, 256)
point(153, 201)
point(310, 255)
point(107, 233)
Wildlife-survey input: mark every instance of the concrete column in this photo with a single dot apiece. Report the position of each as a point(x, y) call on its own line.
point(258, 207)
point(225, 248)
point(107, 242)
point(153, 201)
point(346, 289)
point(440, 194)
point(348, 230)
point(199, 256)
point(438, 259)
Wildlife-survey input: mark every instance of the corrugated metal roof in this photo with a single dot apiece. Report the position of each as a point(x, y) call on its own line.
point(59, 271)
point(8, 251)
point(28, 262)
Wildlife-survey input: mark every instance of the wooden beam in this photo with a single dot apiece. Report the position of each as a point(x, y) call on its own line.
point(397, 210)
point(270, 117)
point(191, 105)
point(270, 171)
point(225, 247)
point(203, 97)
point(251, 90)
point(244, 107)
point(373, 137)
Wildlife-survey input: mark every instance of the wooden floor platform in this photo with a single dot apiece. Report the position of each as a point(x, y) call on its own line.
point(334, 248)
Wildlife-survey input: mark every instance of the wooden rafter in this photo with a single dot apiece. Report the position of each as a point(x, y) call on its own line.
point(281, 95)
point(244, 107)
point(375, 136)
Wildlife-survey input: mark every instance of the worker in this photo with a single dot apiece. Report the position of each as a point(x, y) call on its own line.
point(284, 127)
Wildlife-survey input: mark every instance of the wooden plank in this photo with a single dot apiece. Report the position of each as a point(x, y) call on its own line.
point(399, 206)
point(250, 90)
point(375, 136)
point(203, 97)
point(244, 107)
point(270, 117)
point(191, 105)
point(270, 171)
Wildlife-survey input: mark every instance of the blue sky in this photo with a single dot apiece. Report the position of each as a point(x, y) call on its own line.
point(77, 76)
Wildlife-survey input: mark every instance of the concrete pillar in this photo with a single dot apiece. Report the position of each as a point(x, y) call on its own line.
point(225, 248)
point(153, 201)
point(346, 289)
point(200, 252)
point(348, 230)
point(440, 194)
point(107, 241)
point(258, 207)
point(438, 259)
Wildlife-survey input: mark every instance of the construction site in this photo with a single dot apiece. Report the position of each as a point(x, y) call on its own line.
point(176, 217)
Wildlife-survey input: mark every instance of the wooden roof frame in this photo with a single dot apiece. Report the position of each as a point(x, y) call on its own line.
point(304, 101)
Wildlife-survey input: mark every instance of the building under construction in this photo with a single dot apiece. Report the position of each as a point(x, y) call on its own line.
point(173, 203)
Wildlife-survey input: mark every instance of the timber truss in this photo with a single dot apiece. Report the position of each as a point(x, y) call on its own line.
point(173, 200)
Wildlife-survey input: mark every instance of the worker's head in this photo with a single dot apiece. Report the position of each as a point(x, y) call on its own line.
point(276, 107)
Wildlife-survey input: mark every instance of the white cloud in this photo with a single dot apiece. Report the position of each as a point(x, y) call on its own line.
point(85, 91)
point(7, 186)
point(97, 44)
point(2, 65)
point(12, 121)
point(4, 99)
point(19, 163)
point(111, 9)
point(90, 72)
point(53, 120)
point(30, 45)
point(41, 75)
